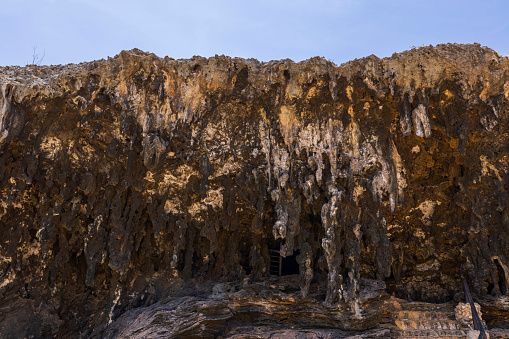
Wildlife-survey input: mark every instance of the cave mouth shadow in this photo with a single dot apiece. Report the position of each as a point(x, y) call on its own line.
point(502, 284)
point(281, 266)
point(289, 264)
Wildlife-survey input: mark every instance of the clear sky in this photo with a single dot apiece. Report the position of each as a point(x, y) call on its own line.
point(67, 31)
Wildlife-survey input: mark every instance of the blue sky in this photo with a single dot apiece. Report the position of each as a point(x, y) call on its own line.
point(340, 30)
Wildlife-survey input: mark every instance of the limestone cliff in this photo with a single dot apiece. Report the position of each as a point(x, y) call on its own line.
point(207, 197)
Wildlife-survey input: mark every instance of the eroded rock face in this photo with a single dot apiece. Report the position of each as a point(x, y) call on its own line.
point(129, 181)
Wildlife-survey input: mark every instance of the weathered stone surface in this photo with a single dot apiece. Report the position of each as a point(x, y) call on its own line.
point(157, 190)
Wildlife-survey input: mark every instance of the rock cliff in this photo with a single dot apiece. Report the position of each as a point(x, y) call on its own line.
point(223, 197)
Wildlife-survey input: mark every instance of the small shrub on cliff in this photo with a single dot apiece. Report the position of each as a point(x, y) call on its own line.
point(36, 57)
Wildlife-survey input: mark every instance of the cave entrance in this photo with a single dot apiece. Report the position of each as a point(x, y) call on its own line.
point(502, 284)
point(290, 265)
point(282, 265)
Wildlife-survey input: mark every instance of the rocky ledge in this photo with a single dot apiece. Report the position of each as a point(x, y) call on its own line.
point(223, 197)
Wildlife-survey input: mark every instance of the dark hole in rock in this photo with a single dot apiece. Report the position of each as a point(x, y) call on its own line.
point(247, 269)
point(241, 81)
point(394, 286)
point(282, 265)
point(502, 284)
point(289, 264)
point(491, 286)
point(286, 73)
point(180, 264)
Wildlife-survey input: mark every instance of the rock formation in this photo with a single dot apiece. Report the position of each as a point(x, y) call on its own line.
point(223, 197)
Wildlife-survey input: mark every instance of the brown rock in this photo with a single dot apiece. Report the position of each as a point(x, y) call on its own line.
point(130, 187)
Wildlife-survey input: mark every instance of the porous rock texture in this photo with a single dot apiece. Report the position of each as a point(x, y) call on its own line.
point(146, 197)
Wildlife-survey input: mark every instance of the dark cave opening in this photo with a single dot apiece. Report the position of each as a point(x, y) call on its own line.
point(394, 286)
point(289, 264)
point(502, 283)
point(286, 74)
point(282, 265)
point(490, 288)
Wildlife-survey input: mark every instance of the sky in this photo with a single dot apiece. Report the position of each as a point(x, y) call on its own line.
point(72, 31)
